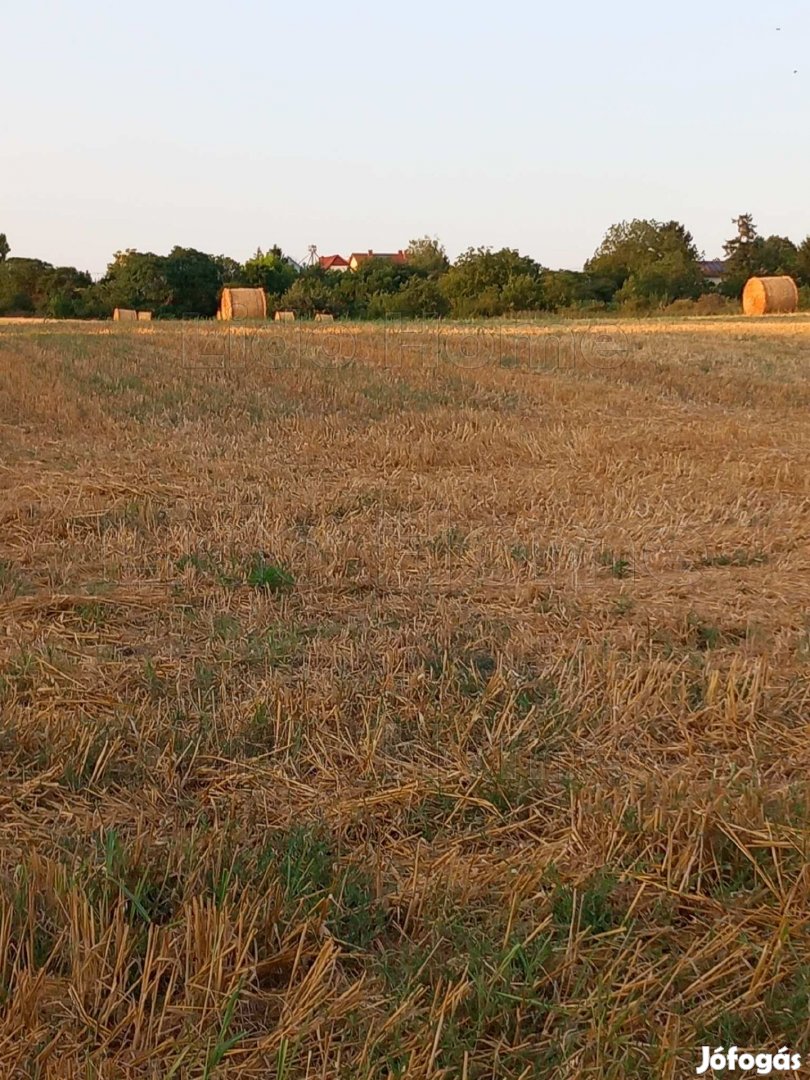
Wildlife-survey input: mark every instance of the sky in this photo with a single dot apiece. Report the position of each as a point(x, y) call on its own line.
point(354, 125)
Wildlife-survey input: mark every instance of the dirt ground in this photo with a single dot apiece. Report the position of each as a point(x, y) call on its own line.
point(403, 702)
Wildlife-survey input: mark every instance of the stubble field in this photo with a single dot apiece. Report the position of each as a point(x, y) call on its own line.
point(403, 702)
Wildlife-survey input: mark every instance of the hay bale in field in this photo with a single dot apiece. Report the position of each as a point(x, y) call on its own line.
point(144, 316)
point(285, 316)
point(324, 316)
point(243, 304)
point(122, 314)
point(770, 296)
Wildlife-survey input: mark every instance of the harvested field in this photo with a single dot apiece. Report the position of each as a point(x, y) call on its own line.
point(403, 703)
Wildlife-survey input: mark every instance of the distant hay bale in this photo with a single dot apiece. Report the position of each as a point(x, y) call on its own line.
point(285, 316)
point(324, 316)
point(770, 296)
point(144, 316)
point(243, 304)
point(122, 314)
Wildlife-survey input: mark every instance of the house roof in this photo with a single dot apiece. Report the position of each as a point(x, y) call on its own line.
point(391, 256)
point(713, 267)
point(326, 262)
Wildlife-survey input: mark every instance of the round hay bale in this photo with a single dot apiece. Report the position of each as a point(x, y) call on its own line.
point(243, 304)
point(121, 314)
point(770, 296)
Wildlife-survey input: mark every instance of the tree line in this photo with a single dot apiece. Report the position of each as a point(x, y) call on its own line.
point(641, 265)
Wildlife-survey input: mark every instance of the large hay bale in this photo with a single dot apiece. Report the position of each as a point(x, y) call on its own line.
point(285, 316)
point(122, 314)
point(243, 304)
point(324, 316)
point(144, 316)
point(770, 296)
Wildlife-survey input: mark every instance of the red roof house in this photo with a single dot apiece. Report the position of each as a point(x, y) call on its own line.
point(357, 258)
point(333, 262)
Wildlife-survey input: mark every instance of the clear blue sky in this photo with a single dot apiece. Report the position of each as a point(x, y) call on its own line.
point(354, 125)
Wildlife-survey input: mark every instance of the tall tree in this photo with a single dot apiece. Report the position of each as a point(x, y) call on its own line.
point(427, 256)
point(775, 255)
point(418, 298)
point(63, 291)
point(573, 288)
point(137, 279)
point(230, 271)
point(270, 270)
point(648, 261)
point(194, 280)
point(23, 286)
point(315, 290)
point(803, 262)
point(746, 229)
point(740, 254)
point(5, 247)
point(483, 282)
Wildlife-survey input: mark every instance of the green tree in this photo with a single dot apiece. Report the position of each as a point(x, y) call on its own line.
point(381, 276)
point(270, 270)
point(420, 298)
point(740, 255)
point(194, 280)
point(648, 261)
point(803, 262)
point(575, 289)
point(313, 291)
point(367, 292)
point(63, 291)
point(230, 271)
point(4, 247)
point(138, 280)
point(750, 255)
point(776, 255)
point(23, 286)
point(672, 277)
point(427, 256)
point(563, 288)
point(482, 282)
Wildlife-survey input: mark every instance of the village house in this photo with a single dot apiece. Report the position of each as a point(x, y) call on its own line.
point(713, 270)
point(357, 258)
point(333, 262)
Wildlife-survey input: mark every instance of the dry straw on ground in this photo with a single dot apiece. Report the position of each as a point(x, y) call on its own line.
point(770, 296)
point(243, 304)
point(423, 714)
